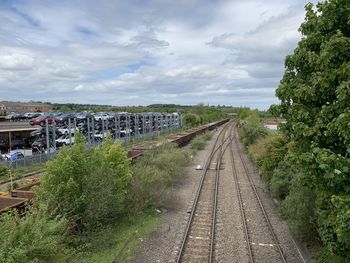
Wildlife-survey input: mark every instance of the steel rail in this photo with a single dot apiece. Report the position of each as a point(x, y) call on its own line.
point(217, 175)
point(195, 203)
point(239, 197)
point(274, 236)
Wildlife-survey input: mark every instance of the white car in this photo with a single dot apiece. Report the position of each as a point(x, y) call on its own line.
point(66, 130)
point(100, 135)
point(64, 140)
point(101, 116)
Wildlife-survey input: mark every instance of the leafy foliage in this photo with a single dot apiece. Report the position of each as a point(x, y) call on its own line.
point(4, 171)
point(87, 186)
point(32, 237)
point(315, 100)
point(250, 126)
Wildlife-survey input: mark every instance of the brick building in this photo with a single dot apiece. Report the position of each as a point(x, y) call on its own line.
point(23, 107)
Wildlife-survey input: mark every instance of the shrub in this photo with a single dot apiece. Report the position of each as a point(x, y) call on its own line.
point(250, 127)
point(32, 237)
point(268, 152)
point(87, 186)
point(191, 119)
point(198, 143)
point(280, 182)
point(299, 209)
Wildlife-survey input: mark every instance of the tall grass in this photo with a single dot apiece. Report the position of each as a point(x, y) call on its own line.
point(154, 174)
point(198, 143)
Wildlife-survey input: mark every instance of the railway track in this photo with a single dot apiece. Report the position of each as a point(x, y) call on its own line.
point(202, 240)
point(261, 240)
point(199, 240)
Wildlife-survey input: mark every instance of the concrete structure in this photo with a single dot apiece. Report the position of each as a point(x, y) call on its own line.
point(23, 107)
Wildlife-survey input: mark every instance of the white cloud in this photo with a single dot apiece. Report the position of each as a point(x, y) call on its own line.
point(135, 52)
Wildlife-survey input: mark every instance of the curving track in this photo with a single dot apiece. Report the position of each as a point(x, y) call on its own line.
point(198, 243)
point(228, 220)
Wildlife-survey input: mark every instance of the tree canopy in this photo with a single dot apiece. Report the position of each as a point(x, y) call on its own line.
point(314, 97)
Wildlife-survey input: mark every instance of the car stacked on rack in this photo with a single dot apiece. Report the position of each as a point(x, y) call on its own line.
point(96, 126)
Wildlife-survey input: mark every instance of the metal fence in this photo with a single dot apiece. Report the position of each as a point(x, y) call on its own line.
point(125, 127)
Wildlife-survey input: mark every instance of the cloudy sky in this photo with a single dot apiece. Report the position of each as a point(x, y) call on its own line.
point(139, 52)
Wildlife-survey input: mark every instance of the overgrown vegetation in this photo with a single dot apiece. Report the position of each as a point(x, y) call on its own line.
point(90, 201)
point(33, 237)
point(3, 171)
point(154, 174)
point(250, 126)
point(198, 143)
point(116, 242)
point(87, 186)
point(307, 165)
point(201, 114)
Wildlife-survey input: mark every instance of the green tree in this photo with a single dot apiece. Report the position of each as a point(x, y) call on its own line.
point(191, 119)
point(315, 100)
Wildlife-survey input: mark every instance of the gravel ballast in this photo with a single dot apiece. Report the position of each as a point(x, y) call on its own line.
point(230, 244)
point(163, 244)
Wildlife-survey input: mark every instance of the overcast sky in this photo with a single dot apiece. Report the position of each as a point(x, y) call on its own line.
point(139, 52)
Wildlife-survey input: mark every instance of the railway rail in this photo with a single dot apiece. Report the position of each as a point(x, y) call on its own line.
point(199, 239)
point(242, 195)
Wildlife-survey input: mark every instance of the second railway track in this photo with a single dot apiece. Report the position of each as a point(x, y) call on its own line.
point(261, 240)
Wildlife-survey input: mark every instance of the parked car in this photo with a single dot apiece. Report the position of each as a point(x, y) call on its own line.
point(13, 156)
point(99, 135)
point(64, 140)
point(32, 115)
point(101, 116)
point(66, 130)
point(41, 120)
point(41, 132)
point(39, 145)
point(13, 116)
point(65, 117)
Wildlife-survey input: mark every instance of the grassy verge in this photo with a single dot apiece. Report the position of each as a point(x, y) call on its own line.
point(119, 242)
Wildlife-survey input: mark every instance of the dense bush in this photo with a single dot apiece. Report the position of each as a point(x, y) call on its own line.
point(154, 173)
point(191, 119)
point(32, 237)
point(250, 126)
point(87, 186)
point(201, 114)
point(299, 209)
point(268, 152)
